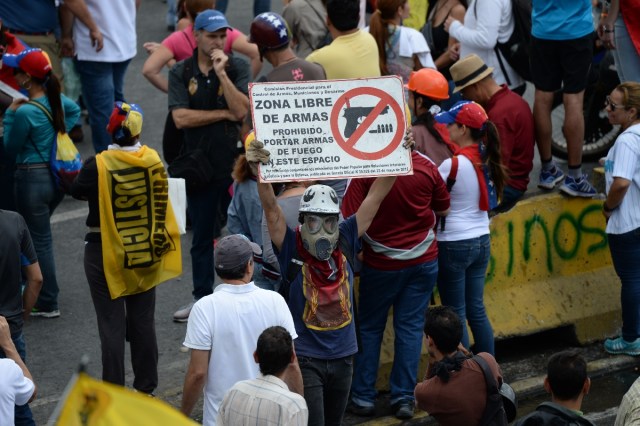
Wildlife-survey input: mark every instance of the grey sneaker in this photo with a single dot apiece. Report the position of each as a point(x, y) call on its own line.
point(403, 410)
point(549, 179)
point(182, 314)
point(578, 188)
point(35, 312)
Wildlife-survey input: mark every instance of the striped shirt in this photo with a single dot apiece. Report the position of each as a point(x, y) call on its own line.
point(629, 410)
point(263, 401)
point(623, 160)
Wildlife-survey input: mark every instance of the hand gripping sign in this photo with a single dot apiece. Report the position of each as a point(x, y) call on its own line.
point(333, 129)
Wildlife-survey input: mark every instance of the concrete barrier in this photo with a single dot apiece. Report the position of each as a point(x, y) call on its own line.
point(550, 266)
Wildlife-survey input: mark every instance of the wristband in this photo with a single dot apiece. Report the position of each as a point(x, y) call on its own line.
point(607, 209)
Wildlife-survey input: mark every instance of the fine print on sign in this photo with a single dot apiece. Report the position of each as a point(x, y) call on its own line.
point(332, 129)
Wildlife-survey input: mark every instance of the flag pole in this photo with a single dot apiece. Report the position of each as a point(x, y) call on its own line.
point(82, 368)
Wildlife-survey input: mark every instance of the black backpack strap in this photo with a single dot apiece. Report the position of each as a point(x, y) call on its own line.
point(494, 399)
point(496, 49)
point(451, 180)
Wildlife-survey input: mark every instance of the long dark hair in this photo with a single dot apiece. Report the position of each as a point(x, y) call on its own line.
point(426, 118)
point(490, 137)
point(51, 86)
point(379, 28)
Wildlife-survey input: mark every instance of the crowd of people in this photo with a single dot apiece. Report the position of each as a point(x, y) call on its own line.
point(280, 340)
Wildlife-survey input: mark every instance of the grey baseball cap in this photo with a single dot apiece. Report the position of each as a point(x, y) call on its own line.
point(233, 251)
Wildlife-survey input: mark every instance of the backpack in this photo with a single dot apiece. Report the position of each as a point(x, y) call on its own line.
point(494, 412)
point(517, 50)
point(64, 159)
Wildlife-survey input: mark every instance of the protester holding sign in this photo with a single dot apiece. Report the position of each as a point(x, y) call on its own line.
point(475, 176)
point(400, 270)
point(132, 245)
point(321, 292)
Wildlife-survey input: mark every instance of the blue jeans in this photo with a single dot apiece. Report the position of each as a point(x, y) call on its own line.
point(625, 54)
point(203, 209)
point(22, 413)
point(408, 291)
point(102, 85)
point(36, 198)
point(326, 388)
point(625, 249)
point(462, 269)
point(171, 13)
point(259, 6)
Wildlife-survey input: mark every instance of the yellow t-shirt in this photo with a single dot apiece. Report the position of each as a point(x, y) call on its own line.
point(349, 56)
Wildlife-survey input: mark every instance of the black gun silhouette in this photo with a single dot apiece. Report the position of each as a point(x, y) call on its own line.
point(354, 116)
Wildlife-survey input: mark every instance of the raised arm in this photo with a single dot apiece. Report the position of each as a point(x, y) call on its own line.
point(272, 211)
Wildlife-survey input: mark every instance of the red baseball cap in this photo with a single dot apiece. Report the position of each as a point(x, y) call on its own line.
point(464, 112)
point(34, 62)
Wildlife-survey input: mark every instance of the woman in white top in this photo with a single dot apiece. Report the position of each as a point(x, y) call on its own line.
point(486, 23)
point(622, 178)
point(401, 49)
point(463, 242)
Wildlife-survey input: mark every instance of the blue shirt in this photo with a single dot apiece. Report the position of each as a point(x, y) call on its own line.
point(322, 344)
point(29, 126)
point(29, 16)
point(561, 19)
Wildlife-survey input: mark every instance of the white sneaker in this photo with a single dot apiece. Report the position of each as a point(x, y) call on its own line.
point(182, 314)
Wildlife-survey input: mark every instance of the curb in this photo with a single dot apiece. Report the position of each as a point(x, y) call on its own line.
point(523, 388)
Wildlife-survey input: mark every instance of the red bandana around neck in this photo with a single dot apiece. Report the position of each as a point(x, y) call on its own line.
point(472, 152)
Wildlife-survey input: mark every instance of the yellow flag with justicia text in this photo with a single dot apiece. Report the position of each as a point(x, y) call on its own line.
point(90, 402)
point(139, 232)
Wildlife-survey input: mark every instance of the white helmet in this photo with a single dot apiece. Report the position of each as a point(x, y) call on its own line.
point(319, 199)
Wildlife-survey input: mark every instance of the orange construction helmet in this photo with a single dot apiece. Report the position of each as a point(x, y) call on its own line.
point(430, 83)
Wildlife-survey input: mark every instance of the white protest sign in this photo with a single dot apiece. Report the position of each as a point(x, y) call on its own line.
point(333, 129)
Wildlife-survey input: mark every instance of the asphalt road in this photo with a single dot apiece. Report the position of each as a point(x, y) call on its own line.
point(55, 346)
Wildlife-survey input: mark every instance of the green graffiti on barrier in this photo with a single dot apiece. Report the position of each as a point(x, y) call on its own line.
point(528, 225)
point(564, 240)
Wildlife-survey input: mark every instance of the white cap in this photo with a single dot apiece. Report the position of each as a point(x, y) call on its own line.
point(319, 199)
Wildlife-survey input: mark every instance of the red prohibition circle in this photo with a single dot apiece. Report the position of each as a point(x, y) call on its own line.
point(349, 145)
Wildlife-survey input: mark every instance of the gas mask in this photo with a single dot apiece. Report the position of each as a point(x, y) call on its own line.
point(320, 234)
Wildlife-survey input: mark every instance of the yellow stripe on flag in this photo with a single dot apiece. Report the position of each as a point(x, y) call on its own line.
point(91, 402)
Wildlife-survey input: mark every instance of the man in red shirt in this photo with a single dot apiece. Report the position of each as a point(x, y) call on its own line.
point(511, 115)
point(400, 270)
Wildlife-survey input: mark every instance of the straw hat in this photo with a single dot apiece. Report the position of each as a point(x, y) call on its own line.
point(468, 70)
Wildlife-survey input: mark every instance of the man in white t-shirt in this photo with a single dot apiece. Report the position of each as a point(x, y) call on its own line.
point(224, 327)
point(102, 70)
point(16, 383)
